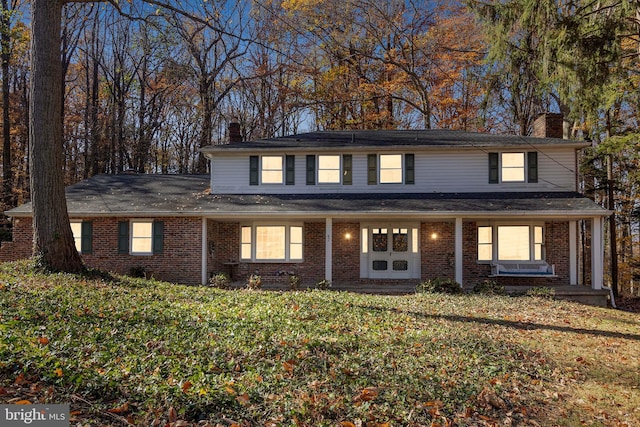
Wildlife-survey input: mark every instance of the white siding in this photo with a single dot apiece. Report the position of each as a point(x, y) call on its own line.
point(459, 171)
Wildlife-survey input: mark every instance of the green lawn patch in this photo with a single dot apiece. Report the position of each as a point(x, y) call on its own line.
point(123, 350)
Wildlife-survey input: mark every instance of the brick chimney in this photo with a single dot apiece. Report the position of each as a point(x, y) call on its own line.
point(548, 125)
point(234, 132)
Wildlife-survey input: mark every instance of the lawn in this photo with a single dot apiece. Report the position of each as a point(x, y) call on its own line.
point(129, 351)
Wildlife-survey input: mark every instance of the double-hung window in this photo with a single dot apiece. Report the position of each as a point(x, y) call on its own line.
point(271, 242)
point(511, 243)
point(329, 169)
point(390, 169)
point(513, 167)
point(271, 170)
point(140, 237)
point(82, 236)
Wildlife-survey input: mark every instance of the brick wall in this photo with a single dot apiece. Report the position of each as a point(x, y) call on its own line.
point(225, 237)
point(179, 261)
point(437, 250)
point(21, 247)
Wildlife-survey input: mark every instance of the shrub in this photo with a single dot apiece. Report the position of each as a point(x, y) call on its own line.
point(489, 287)
point(323, 284)
point(541, 292)
point(255, 281)
point(220, 280)
point(138, 272)
point(439, 285)
point(294, 281)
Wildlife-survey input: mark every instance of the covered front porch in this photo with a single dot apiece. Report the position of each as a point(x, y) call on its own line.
point(390, 255)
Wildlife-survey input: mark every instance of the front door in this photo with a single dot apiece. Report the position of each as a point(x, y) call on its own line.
point(391, 251)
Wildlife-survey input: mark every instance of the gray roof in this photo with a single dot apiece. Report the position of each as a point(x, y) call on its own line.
point(188, 195)
point(424, 138)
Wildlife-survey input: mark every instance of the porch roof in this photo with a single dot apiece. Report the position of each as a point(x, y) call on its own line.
point(188, 195)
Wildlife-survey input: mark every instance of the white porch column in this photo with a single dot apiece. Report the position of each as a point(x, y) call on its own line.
point(573, 252)
point(204, 251)
point(597, 253)
point(458, 251)
point(328, 249)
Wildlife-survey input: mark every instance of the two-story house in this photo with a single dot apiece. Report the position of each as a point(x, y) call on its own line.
point(372, 208)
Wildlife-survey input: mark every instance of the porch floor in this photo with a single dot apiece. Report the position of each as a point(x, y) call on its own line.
point(582, 294)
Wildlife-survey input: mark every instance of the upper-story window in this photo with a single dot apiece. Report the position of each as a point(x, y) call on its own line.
point(271, 170)
point(329, 170)
point(512, 167)
point(390, 169)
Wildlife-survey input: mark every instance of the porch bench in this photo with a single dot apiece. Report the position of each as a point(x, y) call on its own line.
point(523, 269)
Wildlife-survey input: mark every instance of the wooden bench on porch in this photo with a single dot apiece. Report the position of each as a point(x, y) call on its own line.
point(523, 269)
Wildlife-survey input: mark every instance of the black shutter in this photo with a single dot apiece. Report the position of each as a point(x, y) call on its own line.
point(311, 169)
point(290, 170)
point(123, 237)
point(372, 169)
point(347, 172)
point(86, 240)
point(532, 166)
point(493, 168)
point(158, 237)
point(254, 164)
point(409, 169)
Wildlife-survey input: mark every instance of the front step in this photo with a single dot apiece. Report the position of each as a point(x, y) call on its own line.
point(581, 294)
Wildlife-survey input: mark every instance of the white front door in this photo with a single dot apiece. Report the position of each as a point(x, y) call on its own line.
point(390, 251)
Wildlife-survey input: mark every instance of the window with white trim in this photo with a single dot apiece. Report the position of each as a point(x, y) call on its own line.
point(512, 167)
point(269, 242)
point(141, 237)
point(271, 170)
point(512, 242)
point(390, 169)
point(329, 169)
point(76, 229)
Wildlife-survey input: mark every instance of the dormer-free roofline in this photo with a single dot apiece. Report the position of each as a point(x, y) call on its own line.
point(392, 139)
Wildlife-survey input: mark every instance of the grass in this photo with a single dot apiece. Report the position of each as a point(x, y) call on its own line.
point(130, 351)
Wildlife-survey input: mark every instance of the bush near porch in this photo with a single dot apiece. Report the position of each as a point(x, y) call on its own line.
point(123, 350)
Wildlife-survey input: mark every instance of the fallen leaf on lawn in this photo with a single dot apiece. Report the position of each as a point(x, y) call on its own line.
point(43, 340)
point(23, 402)
point(59, 372)
point(243, 399)
point(347, 424)
point(367, 395)
point(119, 409)
point(20, 379)
point(288, 365)
point(173, 415)
point(186, 386)
point(181, 423)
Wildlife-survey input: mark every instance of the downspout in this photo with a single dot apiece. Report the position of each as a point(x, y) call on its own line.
point(613, 300)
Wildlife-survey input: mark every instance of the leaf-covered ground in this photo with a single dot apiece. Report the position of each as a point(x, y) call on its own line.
point(127, 351)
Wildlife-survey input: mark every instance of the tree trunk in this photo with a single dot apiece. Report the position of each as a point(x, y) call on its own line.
point(7, 170)
point(52, 238)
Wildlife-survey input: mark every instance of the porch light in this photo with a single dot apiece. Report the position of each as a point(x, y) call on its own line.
point(434, 236)
point(347, 236)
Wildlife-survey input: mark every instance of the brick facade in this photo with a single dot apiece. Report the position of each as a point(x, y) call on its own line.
point(180, 260)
